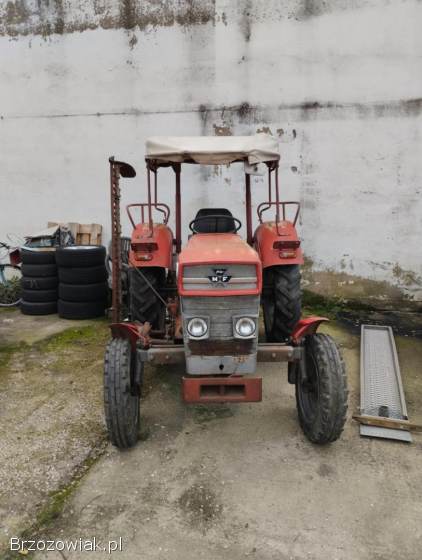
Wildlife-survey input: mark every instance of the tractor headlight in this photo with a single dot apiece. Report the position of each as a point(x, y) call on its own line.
point(245, 327)
point(197, 327)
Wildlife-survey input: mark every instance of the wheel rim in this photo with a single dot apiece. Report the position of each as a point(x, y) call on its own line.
point(309, 393)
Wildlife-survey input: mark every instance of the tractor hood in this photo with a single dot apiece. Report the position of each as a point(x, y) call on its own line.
point(218, 264)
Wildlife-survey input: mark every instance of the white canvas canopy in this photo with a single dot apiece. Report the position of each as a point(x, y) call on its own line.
point(214, 150)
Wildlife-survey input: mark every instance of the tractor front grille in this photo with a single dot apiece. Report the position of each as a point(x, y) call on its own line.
point(233, 347)
point(225, 276)
point(220, 311)
point(219, 353)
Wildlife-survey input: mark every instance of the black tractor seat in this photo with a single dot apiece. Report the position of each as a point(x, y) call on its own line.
point(215, 225)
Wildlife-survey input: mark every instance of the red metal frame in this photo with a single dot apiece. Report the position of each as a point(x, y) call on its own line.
point(264, 206)
point(248, 209)
point(260, 210)
point(160, 206)
point(234, 389)
point(269, 234)
point(177, 169)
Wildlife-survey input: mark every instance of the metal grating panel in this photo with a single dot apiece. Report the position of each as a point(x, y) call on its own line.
point(381, 387)
point(385, 433)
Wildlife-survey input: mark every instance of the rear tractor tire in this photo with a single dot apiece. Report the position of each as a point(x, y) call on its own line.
point(281, 301)
point(143, 302)
point(122, 379)
point(321, 390)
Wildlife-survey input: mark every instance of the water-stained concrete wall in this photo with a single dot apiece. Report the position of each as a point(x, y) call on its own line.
point(338, 83)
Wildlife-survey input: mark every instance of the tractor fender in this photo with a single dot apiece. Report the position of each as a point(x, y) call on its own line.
point(151, 248)
point(130, 331)
point(305, 327)
point(278, 245)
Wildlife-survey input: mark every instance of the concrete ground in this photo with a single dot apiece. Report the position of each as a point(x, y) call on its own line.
point(50, 411)
point(241, 481)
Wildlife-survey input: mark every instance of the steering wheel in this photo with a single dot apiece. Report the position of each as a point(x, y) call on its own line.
point(216, 217)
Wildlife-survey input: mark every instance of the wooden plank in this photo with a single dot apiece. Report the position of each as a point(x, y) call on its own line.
point(84, 234)
point(393, 423)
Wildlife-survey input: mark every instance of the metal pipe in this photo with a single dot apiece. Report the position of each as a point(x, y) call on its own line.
point(178, 210)
point(269, 185)
point(155, 186)
point(277, 197)
point(162, 352)
point(149, 202)
point(248, 209)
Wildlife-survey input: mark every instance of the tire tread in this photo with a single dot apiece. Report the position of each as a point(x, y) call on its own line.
point(117, 393)
point(333, 391)
point(144, 304)
point(285, 300)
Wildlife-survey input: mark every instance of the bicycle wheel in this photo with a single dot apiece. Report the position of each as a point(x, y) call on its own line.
point(10, 285)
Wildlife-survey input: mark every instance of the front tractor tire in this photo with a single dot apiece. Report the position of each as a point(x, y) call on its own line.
point(321, 390)
point(121, 393)
point(282, 301)
point(144, 304)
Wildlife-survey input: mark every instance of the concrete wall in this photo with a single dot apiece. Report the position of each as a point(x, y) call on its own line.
point(338, 83)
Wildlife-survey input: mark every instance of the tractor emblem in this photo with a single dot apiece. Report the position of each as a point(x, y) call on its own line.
point(219, 276)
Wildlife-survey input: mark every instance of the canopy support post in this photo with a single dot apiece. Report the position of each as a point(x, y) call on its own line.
point(248, 209)
point(177, 168)
point(277, 197)
point(149, 202)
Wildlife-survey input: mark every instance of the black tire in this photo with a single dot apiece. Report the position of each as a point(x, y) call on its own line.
point(81, 310)
point(38, 308)
point(39, 270)
point(80, 255)
point(86, 275)
point(38, 256)
point(321, 399)
point(83, 292)
point(33, 283)
point(143, 303)
point(40, 296)
point(121, 398)
point(281, 301)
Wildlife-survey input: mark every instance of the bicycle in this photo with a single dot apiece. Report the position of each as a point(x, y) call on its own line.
point(10, 276)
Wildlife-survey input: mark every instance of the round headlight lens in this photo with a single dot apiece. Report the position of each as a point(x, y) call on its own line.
point(197, 327)
point(245, 326)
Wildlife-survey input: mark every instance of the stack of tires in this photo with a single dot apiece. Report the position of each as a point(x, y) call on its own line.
point(83, 287)
point(39, 281)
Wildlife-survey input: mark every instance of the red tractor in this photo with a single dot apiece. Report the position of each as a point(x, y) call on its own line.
point(200, 305)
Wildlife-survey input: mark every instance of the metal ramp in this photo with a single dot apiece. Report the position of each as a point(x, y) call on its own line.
point(382, 396)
